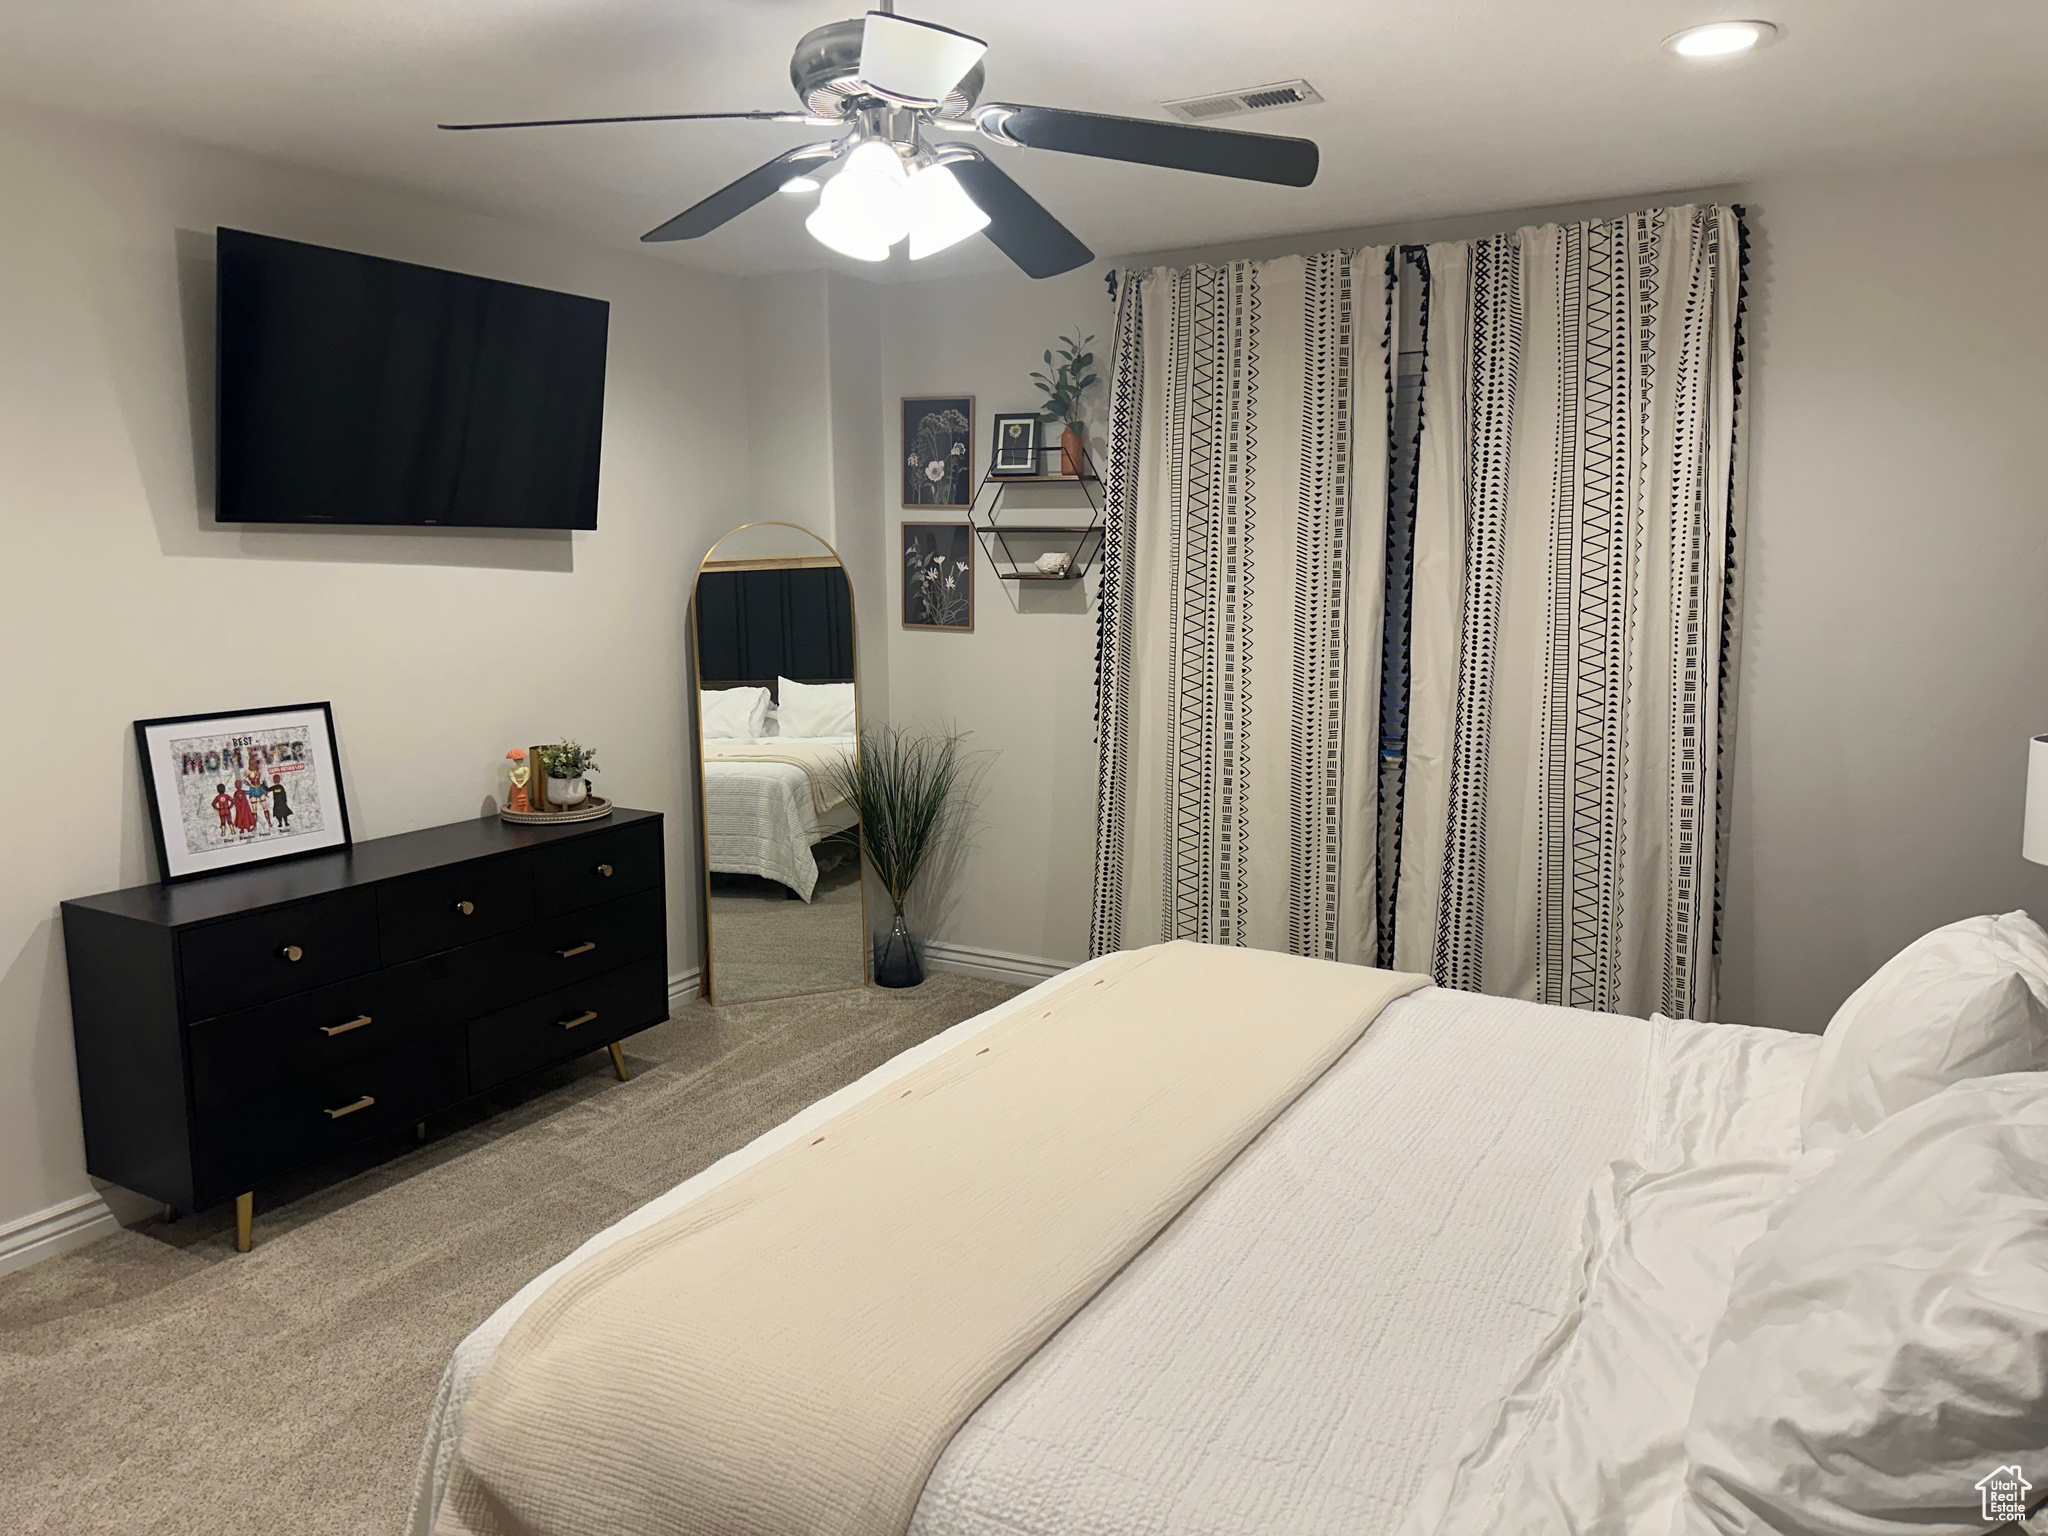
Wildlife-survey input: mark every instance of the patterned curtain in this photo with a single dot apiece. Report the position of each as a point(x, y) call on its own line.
point(1575, 613)
point(1241, 605)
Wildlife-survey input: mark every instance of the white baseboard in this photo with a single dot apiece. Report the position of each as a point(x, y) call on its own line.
point(64, 1226)
point(992, 964)
point(682, 989)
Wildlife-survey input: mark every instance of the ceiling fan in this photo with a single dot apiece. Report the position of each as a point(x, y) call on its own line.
point(898, 89)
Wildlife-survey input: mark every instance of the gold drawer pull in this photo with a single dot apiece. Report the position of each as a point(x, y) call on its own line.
point(580, 949)
point(581, 1018)
point(342, 1029)
point(348, 1109)
point(605, 870)
point(466, 908)
point(293, 953)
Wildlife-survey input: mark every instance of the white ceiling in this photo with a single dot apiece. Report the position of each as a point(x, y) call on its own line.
point(1434, 107)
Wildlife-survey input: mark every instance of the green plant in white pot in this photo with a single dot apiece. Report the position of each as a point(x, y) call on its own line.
point(907, 788)
point(568, 766)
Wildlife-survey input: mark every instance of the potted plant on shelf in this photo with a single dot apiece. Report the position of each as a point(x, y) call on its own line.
point(906, 788)
point(567, 763)
point(1071, 378)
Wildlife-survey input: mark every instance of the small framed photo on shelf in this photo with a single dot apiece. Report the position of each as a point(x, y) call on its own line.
point(938, 576)
point(242, 787)
point(1016, 445)
point(938, 452)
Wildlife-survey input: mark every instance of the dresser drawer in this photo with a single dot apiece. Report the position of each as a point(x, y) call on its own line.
point(262, 1048)
point(602, 867)
point(456, 905)
point(248, 960)
point(243, 1143)
point(566, 1023)
point(552, 954)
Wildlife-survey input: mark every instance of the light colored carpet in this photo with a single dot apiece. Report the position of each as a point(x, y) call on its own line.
point(765, 945)
point(157, 1383)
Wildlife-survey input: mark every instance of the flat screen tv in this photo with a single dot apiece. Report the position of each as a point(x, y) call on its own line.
point(357, 390)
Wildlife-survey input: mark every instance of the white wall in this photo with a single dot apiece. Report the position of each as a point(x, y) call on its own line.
point(1894, 663)
point(120, 598)
point(1022, 685)
point(854, 329)
point(788, 382)
point(1897, 651)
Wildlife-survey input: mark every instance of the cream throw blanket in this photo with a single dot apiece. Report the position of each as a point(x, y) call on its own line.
point(815, 756)
point(789, 1355)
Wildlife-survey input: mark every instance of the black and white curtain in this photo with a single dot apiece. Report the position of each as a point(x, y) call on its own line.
point(1242, 576)
point(1563, 540)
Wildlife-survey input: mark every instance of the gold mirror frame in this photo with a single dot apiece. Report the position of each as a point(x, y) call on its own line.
point(706, 975)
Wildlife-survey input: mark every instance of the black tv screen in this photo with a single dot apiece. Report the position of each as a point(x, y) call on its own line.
point(352, 389)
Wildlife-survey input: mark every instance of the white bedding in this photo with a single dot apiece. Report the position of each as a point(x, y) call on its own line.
point(761, 818)
point(1330, 1328)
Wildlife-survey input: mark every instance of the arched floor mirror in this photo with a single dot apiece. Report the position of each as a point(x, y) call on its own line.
point(778, 721)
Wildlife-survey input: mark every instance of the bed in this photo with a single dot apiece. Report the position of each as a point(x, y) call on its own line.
point(768, 802)
point(1464, 1281)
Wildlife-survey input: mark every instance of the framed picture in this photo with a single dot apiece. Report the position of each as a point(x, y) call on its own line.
point(938, 576)
point(938, 452)
point(1016, 445)
point(242, 787)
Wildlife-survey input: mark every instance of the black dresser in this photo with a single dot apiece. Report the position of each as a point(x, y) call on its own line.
point(232, 1028)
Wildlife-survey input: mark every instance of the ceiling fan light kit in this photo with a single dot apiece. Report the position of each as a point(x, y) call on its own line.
point(887, 81)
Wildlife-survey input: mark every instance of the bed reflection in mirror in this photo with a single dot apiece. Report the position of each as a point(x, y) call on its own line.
point(777, 725)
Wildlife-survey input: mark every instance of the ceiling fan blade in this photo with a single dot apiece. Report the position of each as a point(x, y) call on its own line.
point(650, 117)
point(1018, 225)
point(729, 202)
point(1217, 151)
point(914, 63)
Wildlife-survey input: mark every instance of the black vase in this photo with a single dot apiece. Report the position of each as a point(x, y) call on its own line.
point(896, 961)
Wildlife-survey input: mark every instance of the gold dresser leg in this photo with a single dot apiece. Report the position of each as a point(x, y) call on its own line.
point(419, 1130)
point(619, 1062)
point(245, 1221)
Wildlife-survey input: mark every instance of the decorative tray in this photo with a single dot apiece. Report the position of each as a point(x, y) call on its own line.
point(595, 809)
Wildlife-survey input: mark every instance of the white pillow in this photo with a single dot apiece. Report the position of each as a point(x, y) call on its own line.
point(733, 713)
point(814, 709)
point(1964, 1001)
point(1885, 1343)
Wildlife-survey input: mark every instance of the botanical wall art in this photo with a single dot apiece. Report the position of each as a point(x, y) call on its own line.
point(938, 576)
point(938, 452)
point(1015, 450)
point(243, 787)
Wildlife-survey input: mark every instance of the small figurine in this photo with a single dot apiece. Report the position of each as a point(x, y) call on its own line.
point(521, 772)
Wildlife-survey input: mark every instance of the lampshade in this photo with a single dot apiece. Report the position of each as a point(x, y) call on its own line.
point(941, 212)
point(865, 208)
point(873, 202)
point(2035, 846)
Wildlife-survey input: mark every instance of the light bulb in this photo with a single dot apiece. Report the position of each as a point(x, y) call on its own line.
point(941, 212)
point(1720, 39)
point(864, 209)
point(849, 237)
point(798, 185)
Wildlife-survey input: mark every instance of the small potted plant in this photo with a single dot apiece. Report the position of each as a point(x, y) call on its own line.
point(567, 763)
point(1071, 378)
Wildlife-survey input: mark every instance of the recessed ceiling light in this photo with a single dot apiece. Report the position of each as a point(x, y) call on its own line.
point(797, 185)
point(1720, 39)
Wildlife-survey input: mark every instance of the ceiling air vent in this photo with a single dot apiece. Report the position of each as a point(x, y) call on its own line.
point(1257, 98)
